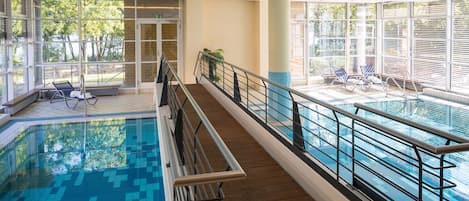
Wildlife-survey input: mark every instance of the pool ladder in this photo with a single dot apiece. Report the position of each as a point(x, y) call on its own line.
point(402, 88)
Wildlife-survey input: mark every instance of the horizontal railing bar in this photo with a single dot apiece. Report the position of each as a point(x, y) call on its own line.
point(413, 124)
point(383, 178)
point(308, 102)
point(403, 143)
point(395, 150)
point(403, 173)
point(418, 143)
point(208, 178)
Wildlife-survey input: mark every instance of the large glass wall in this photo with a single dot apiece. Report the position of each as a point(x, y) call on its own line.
point(429, 43)
point(460, 46)
point(298, 33)
point(42, 41)
point(3, 70)
point(327, 33)
point(94, 38)
point(363, 38)
point(395, 53)
point(426, 41)
point(338, 35)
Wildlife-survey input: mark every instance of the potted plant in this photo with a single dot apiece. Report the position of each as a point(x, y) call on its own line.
point(212, 63)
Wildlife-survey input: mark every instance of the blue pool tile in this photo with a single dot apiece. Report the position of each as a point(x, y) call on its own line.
point(79, 179)
point(117, 164)
point(132, 196)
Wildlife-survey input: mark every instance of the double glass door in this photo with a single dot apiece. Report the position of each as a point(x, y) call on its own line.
point(154, 38)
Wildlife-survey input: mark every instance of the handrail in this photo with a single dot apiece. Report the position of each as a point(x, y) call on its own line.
point(421, 144)
point(404, 81)
point(234, 172)
point(413, 124)
point(208, 178)
point(348, 137)
point(229, 157)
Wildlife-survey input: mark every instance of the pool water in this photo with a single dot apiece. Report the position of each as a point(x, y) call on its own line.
point(444, 117)
point(112, 159)
point(432, 114)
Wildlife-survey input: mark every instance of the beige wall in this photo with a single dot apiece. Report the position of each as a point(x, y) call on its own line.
point(232, 25)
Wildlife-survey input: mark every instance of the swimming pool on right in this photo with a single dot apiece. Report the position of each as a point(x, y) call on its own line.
point(444, 117)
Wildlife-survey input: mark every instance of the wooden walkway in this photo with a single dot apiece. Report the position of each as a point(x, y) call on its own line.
point(266, 180)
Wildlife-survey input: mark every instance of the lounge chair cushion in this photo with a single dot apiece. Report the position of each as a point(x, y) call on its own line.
point(77, 94)
point(375, 79)
point(355, 81)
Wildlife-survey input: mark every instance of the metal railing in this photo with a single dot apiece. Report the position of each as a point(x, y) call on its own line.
point(197, 174)
point(358, 155)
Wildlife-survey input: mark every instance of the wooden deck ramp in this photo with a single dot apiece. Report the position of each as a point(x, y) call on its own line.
point(266, 180)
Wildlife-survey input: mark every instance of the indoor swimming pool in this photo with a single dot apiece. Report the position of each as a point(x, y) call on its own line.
point(108, 159)
point(451, 118)
point(378, 154)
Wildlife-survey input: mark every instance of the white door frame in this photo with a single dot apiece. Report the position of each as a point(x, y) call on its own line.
point(138, 41)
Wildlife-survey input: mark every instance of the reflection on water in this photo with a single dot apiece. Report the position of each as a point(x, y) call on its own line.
point(43, 157)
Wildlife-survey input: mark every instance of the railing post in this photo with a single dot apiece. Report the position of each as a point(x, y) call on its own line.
point(265, 99)
point(420, 178)
point(236, 92)
point(353, 147)
point(442, 173)
point(211, 66)
point(160, 71)
point(337, 146)
point(164, 93)
point(223, 76)
point(247, 89)
point(298, 138)
point(179, 135)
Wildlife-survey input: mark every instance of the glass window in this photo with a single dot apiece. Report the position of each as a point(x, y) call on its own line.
point(19, 30)
point(19, 84)
point(2, 6)
point(395, 10)
point(169, 31)
point(395, 39)
point(297, 51)
point(104, 51)
point(327, 38)
point(104, 74)
point(58, 10)
point(362, 36)
point(18, 7)
point(60, 52)
point(429, 43)
point(460, 47)
point(65, 31)
point(103, 9)
point(20, 55)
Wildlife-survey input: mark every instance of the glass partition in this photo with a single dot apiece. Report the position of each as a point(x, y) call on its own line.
point(298, 33)
point(362, 26)
point(460, 47)
point(425, 41)
point(429, 43)
point(327, 40)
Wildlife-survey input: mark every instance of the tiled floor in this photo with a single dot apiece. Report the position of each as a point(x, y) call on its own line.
point(106, 104)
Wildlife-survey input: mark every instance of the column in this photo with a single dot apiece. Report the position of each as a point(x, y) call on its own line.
point(279, 58)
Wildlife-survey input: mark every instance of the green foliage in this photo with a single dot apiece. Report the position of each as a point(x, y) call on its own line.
point(218, 53)
point(100, 25)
